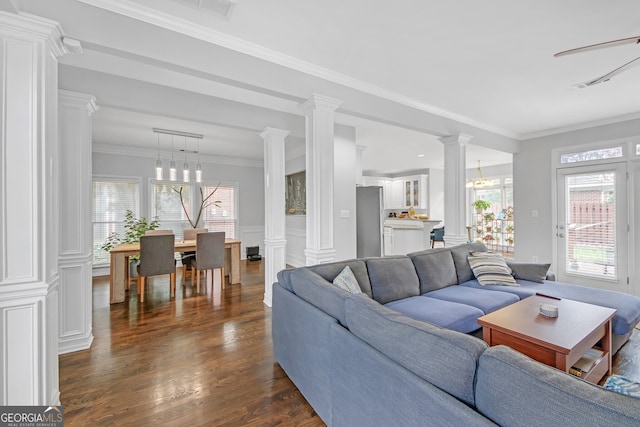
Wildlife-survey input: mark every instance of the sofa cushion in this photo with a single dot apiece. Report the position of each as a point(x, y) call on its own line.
point(442, 357)
point(392, 278)
point(460, 254)
point(529, 271)
point(627, 306)
point(315, 290)
point(284, 278)
point(435, 269)
point(358, 267)
point(513, 389)
point(446, 314)
point(347, 281)
point(485, 300)
point(491, 269)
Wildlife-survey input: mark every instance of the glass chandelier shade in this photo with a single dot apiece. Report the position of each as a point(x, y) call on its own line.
point(173, 175)
point(158, 163)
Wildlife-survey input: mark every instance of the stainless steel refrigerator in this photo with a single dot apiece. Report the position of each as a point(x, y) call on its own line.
point(369, 221)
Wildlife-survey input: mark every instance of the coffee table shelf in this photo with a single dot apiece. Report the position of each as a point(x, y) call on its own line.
point(559, 342)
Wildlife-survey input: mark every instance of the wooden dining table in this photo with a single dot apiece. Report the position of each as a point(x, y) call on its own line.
point(120, 264)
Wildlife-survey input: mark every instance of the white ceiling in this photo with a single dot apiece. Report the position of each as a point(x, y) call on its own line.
point(407, 71)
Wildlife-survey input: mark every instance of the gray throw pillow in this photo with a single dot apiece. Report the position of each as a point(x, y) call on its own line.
point(347, 281)
point(491, 269)
point(529, 271)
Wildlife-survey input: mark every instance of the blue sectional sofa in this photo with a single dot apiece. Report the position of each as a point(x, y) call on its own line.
point(400, 352)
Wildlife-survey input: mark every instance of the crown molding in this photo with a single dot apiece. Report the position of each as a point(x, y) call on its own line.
point(98, 147)
point(176, 24)
point(580, 126)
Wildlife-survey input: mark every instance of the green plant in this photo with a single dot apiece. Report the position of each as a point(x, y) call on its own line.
point(481, 205)
point(134, 228)
point(489, 216)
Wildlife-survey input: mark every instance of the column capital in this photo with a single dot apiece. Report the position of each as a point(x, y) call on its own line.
point(67, 97)
point(270, 132)
point(320, 102)
point(462, 138)
point(38, 28)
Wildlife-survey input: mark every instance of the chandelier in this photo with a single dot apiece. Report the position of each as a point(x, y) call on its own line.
point(186, 171)
point(479, 181)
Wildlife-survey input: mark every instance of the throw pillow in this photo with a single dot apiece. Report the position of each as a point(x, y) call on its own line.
point(529, 271)
point(491, 269)
point(347, 281)
point(623, 385)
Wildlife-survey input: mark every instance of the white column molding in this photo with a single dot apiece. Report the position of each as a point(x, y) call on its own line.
point(455, 172)
point(76, 247)
point(319, 113)
point(275, 242)
point(29, 210)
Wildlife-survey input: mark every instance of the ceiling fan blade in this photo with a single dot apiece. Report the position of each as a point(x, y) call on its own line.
point(610, 74)
point(635, 39)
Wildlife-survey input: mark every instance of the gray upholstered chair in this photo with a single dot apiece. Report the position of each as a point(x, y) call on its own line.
point(187, 257)
point(209, 255)
point(154, 232)
point(157, 256)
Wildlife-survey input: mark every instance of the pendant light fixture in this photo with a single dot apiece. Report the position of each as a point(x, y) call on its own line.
point(479, 181)
point(173, 173)
point(158, 163)
point(172, 166)
point(198, 166)
point(185, 166)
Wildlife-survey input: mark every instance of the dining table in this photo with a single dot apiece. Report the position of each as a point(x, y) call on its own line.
point(119, 268)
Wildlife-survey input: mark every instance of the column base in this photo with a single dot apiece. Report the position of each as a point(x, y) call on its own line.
point(319, 256)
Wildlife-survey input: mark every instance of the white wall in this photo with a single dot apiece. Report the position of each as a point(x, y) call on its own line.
point(344, 193)
point(534, 182)
point(250, 181)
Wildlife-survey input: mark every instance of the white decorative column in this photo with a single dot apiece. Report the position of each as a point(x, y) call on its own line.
point(76, 242)
point(319, 113)
point(455, 173)
point(29, 209)
point(275, 241)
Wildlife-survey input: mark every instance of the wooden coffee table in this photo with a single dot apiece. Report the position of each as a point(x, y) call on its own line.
point(559, 342)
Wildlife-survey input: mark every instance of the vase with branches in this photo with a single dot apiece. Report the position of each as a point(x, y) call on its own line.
point(205, 202)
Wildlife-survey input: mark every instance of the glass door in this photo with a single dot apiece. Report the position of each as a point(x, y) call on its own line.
point(592, 236)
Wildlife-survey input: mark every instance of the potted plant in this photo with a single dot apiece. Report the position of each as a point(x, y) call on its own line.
point(134, 228)
point(481, 205)
point(205, 202)
point(489, 216)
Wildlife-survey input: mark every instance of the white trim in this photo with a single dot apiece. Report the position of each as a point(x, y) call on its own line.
point(182, 26)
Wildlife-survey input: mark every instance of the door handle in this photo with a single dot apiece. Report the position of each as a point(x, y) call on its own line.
point(561, 235)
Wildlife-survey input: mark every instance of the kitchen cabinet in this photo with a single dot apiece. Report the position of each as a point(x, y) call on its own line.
point(402, 192)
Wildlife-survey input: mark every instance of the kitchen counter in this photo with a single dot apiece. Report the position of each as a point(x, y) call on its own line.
point(404, 235)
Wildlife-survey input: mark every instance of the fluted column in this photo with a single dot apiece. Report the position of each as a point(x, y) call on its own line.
point(29, 209)
point(319, 112)
point(275, 242)
point(455, 172)
point(76, 239)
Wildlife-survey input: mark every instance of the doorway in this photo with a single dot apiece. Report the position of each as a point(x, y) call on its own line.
point(592, 226)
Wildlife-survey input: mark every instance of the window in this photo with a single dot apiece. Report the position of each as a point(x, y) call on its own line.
point(166, 205)
point(222, 217)
point(111, 200)
point(599, 154)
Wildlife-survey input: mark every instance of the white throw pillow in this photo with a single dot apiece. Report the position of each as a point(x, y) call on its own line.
point(491, 269)
point(347, 281)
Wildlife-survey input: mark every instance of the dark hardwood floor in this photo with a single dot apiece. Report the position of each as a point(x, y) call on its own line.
point(198, 360)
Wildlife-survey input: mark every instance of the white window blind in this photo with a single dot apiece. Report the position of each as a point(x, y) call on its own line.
point(591, 230)
point(224, 217)
point(165, 205)
point(111, 200)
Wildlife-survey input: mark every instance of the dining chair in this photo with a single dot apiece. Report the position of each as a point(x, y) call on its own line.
point(157, 256)
point(154, 232)
point(187, 257)
point(437, 235)
point(209, 255)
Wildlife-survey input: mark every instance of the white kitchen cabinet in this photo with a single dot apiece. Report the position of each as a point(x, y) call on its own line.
point(414, 192)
